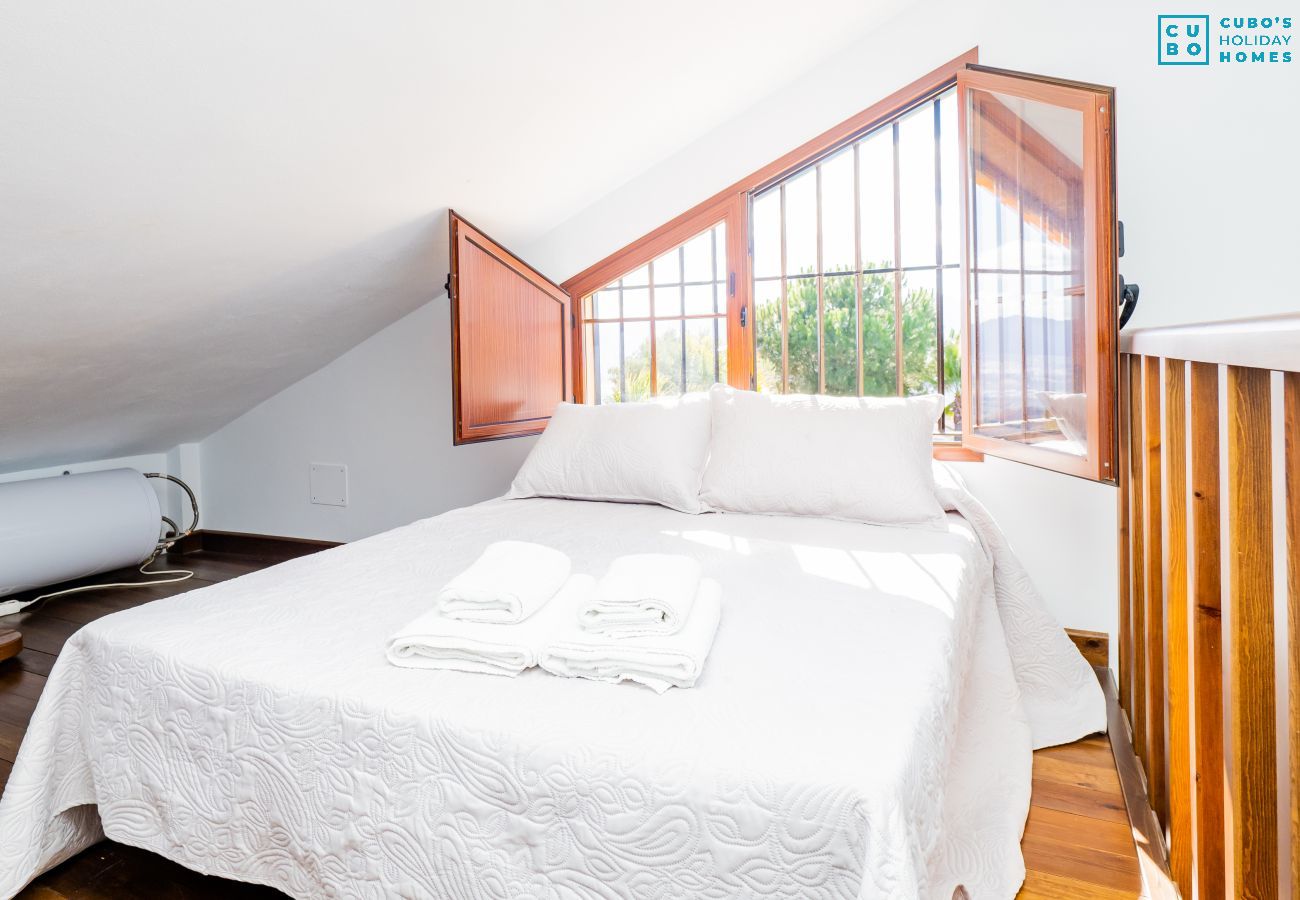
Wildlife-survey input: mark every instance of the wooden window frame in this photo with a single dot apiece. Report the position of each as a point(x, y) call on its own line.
point(732, 212)
point(731, 205)
point(1100, 267)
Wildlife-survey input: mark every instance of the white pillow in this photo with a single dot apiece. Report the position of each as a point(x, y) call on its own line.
point(651, 452)
point(862, 459)
point(1071, 414)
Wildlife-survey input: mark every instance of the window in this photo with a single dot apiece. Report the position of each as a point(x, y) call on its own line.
point(856, 265)
point(510, 333)
point(665, 314)
point(1041, 271)
point(661, 328)
point(958, 237)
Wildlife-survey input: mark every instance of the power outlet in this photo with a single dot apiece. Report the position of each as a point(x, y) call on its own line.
point(329, 484)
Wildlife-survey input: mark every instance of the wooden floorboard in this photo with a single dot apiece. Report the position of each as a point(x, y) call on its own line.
point(1077, 841)
point(1105, 806)
point(1046, 886)
point(11, 736)
point(219, 566)
point(34, 661)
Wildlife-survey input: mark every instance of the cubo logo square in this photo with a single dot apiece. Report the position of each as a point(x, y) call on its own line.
point(1183, 40)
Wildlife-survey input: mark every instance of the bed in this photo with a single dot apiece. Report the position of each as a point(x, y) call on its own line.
point(863, 727)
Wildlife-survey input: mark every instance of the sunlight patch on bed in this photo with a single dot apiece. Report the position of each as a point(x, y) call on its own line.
point(833, 564)
point(888, 572)
point(714, 539)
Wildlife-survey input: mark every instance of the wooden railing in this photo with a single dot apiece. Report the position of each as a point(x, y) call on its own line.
point(1209, 613)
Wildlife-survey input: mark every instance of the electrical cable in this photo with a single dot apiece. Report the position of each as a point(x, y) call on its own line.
point(9, 607)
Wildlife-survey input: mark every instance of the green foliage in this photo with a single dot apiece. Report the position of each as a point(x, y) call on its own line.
point(699, 362)
point(879, 352)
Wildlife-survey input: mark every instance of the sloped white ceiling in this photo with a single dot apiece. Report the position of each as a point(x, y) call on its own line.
point(200, 203)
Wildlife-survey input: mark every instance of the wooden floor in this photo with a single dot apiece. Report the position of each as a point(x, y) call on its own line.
point(1077, 843)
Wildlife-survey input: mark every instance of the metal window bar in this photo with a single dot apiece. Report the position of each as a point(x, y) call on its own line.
point(622, 347)
point(1049, 377)
point(821, 292)
point(707, 315)
point(713, 262)
point(898, 274)
point(941, 427)
point(928, 268)
point(1020, 215)
point(785, 307)
point(1021, 282)
point(681, 299)
point(857, 259)
point(1001, 308)
point(654, 333)
point(595, 361)
point(889, 270)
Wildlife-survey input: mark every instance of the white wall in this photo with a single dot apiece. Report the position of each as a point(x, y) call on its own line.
point(383, 409)
point(1203, 190)
point(1063, 529)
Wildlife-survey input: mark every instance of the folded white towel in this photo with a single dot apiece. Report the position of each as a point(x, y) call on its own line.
point(660, 662)
point(507, 584)
point(435, 641)
point(644, 594)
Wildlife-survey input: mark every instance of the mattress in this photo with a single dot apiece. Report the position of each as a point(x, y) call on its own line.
point(863, 727)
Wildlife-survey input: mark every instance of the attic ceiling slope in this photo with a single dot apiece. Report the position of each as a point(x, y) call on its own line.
point(201, 204)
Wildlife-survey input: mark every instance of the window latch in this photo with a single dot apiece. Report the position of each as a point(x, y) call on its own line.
point(731, 284)
point(744, 315)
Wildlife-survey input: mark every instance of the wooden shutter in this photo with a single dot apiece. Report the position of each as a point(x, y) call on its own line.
point(510, 330)
point(1040, 320)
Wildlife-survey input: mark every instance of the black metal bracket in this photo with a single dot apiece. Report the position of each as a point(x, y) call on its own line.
point(1128, 293)
point(1128, 300)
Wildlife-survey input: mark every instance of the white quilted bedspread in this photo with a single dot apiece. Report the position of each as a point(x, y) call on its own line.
point(863, 727)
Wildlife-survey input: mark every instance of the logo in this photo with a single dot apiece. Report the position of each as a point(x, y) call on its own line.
point(1183, 40)
point(1186, 40)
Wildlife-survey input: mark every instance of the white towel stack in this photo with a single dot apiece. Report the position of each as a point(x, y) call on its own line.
point(437, 641)
point(506, 585)
point(651, 619)
point(644, 594)
point(659, 661)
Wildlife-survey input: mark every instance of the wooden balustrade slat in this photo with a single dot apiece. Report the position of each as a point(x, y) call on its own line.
point(1126, 631)
point(1291, 418)
point(1207, 652)
point(1180, 759)
point(1137, 712)
point(1251, 653)
point(1157, 784)
point(1185, 710)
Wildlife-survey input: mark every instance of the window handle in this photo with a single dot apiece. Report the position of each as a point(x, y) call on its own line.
point(744, 315)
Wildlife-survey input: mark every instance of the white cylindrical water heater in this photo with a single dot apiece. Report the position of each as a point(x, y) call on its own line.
point(71, 526)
